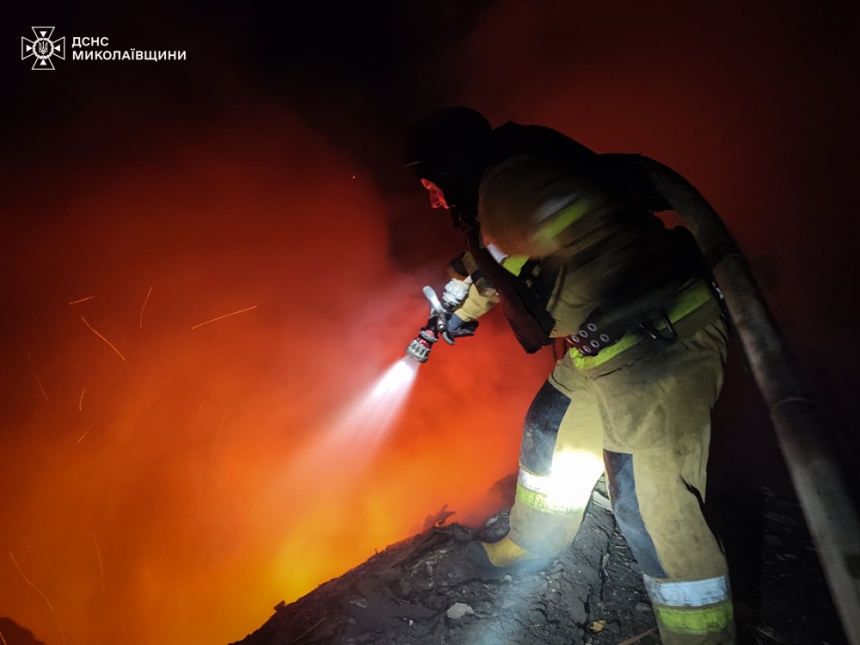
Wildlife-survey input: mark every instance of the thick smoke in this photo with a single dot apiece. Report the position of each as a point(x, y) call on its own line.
point(153, 481)
point(153, 490)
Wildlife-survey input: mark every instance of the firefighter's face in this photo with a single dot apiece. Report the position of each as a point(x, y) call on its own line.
point(437, 195)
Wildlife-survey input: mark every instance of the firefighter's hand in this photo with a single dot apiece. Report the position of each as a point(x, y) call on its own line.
point(458, 328)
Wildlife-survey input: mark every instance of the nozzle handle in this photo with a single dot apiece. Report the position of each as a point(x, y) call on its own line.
point(435, 303)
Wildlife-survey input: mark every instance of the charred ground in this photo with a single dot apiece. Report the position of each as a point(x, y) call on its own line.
point(424, 591)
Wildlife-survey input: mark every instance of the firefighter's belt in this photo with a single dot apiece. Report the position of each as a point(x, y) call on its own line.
point(685, 302)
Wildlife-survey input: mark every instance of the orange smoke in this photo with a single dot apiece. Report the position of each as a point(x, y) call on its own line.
point(182, 329)
point(154, 485)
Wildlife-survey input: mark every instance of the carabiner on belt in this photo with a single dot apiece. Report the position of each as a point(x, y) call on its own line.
point(649, 329)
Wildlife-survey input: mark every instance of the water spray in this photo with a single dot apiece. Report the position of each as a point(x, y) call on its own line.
point(349, 441)
point(355, 435)
point(375, 412)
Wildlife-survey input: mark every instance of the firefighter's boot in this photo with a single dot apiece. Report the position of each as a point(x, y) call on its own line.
point(502, 555)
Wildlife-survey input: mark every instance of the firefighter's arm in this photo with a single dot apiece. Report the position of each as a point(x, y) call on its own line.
point(476, 305)
point(479, 299)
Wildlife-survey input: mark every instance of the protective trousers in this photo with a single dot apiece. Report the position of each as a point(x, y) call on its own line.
point(646, 419)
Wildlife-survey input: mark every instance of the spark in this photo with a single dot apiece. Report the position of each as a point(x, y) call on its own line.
point(85, 434)
point(38, 380)
point(104, 339)
point(27, 580)
point(101, 568)
point(26, 545)
point(144, 306)
point(81, 401)
point(224, 316)
point(3, 639)
point(74, 302)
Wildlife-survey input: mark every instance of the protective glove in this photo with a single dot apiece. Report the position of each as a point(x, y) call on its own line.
point(454, 294)
point(458, 328)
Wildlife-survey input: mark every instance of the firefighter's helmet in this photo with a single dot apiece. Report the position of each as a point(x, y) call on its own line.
point(451, 140)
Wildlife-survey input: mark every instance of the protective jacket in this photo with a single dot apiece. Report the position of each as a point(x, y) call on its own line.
point(587, 251)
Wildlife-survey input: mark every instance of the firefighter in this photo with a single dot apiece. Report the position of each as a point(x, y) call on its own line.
point(569, 241)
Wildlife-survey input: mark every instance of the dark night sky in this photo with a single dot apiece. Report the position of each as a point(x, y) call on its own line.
point(755, 103)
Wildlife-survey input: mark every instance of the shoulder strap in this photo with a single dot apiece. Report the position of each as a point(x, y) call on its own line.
point(529, 320)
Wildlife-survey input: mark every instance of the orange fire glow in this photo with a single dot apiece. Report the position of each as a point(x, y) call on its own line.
point(162, 482)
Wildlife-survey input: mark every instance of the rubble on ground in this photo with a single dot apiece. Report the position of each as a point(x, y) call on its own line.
point(424, 591)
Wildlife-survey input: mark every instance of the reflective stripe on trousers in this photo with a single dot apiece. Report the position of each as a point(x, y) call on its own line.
point(568, 486)
point(695, 607)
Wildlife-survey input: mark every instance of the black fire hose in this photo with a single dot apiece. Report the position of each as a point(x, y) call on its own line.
point(827, 506)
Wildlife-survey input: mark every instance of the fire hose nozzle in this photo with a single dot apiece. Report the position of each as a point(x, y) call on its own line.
point(419, 348)
point(440, 311)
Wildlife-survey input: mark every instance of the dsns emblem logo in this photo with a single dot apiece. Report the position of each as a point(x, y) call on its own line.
point(43, 48)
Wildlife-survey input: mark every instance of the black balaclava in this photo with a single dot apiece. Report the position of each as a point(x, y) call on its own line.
point(452, 147)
